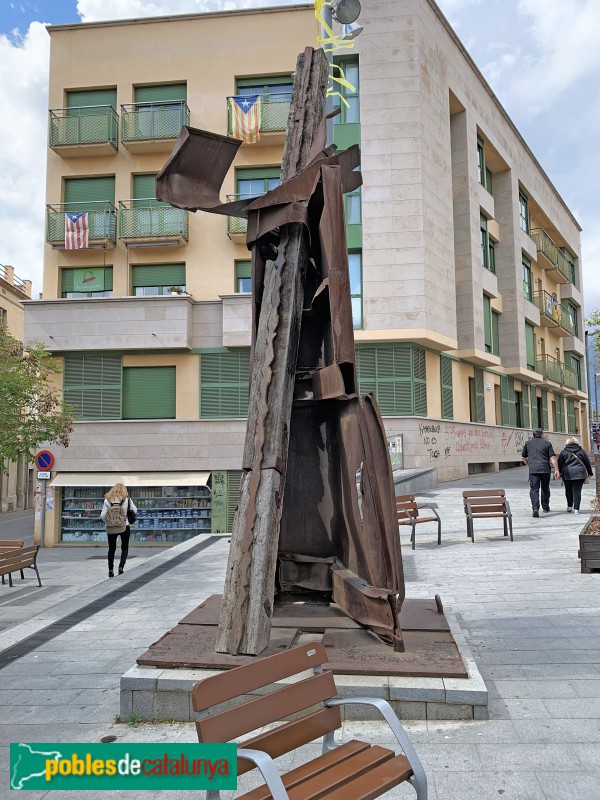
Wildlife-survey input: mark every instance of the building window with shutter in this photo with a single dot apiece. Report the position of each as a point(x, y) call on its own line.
point(508, 400)
point(447, 390)
point(157, 279)
point(530, 346)
point(84, 282)
point(243, 276)
point(523, 212)
point(92, 385)
point(490, 327)
point(477, 396)
point(396, 375)
point(571, 418)
point(355, 270)
point(224, 384)
point(149, 392)
point(527, 286)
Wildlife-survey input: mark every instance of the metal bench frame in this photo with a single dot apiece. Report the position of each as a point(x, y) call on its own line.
point(486, 504)
point(407, 509)
point(16, 559)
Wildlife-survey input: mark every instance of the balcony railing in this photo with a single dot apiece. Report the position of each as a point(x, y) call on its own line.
point(143, 122)
point(83, 125)
point(152, 222)
point(102, 221)
point(553, 254)
point(9, 276)
point(274, 111)
point(237, 225)
point(549, 309)
point(554, 370)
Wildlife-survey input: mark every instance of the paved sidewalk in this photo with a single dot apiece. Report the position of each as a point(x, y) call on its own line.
point(530, 616)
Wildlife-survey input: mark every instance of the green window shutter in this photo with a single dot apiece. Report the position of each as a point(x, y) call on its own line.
point(419, 376)
point(560, 413)
point(255, 173)
point(495, 336)
point(92, 385)
point(149, 392)
point(396, 374)
point(67, 279)
point(447, 391)
point(525, 398)
point(571, 427)
point(271, 80)
point(234, 488)
point(366, 369)
point(158, 275)
point(507, 397)
point(530, 345)
point(160, 94)
point(544, 421)
point(80, 192)
point(243, 269)
point(487, 324)
point(535, 421)
point(224, 384)
point(92, 97)
point(144, 188)
point(479, 395)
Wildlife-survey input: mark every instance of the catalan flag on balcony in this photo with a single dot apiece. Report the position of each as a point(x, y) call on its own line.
point(245, 118)
point(76, 231)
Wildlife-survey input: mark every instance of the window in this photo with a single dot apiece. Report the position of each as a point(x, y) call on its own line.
point(523, 212)
point(530, 346)
point(492, 255)
point(571, 418)
point(570, 264)
point(92, 385)
point(97, 197)
point(355, 269)
point(484, 175)
point(3, 317)
point(396, 375)
point(274, 89)
point(571, 312)
point(224, 384)
point(477, 396)
point(559, 409)
point(446, 384)
point(149, 392)
point(490, 327)
point(243, 276)
point(352, 207)
point(350, 111)
point(488, 253)
point(527, 285)
point(90, 118)
point(508, 401)
point(157, 279)
point(256, 182)
point(82, 282)
point(574, 362)
point(160, 111)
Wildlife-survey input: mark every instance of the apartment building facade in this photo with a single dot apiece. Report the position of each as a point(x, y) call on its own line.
point(464, 260)
point(16, 480)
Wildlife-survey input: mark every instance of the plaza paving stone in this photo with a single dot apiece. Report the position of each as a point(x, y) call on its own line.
point(529, 616)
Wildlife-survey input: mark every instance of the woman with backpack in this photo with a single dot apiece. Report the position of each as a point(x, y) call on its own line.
point(575, 468)
point(117, 511)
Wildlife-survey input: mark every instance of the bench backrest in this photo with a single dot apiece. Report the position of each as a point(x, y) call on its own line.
point(484, 501)
point(240, 718)
point(406, 504)
point(17, 558)
point(11, 543)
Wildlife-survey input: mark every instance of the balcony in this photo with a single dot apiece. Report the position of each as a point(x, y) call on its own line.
point(550, 257)
point(102, 223)
point(553, 315)
point(556, 372)
point(83, 131)
point(237, 226)
point(274, 111)
point(152, 127)
point(144, 225)
point(111, 323)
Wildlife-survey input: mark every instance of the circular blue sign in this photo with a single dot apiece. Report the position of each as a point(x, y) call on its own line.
point(44, 460)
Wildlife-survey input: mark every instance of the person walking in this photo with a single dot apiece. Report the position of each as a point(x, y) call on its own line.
point(114, 514)
point(597, 439)
point(539, 454)
point(574, 466)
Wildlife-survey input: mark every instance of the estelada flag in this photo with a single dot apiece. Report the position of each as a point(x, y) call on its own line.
point(76, 230)
point(245, 118)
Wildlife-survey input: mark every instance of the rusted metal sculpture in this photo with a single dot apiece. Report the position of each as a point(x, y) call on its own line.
point(303, 523)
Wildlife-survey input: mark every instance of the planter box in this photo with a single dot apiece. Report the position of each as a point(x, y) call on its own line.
point(589, 552)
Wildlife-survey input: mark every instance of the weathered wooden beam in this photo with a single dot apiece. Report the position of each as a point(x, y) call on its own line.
point(245, 621)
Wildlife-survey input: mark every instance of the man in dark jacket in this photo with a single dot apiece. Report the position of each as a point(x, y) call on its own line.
point(538, 454)
point(574, 466)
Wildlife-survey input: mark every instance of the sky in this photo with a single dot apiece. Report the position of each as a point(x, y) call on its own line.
point(542, 59)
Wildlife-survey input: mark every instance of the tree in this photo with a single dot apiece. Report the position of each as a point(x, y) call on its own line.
point(31, 409)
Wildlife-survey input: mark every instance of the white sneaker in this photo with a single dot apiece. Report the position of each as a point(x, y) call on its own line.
point(576, 512)
point(569, 509)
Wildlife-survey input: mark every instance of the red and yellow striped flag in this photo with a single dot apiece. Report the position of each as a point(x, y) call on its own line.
point(245, 118)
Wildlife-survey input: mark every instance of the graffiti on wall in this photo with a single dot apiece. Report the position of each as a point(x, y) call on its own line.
point(443, 440)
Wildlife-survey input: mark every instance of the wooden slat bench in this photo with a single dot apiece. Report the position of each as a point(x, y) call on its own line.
point(16, 560)
point(485, 504)
point(352, 771)
point(407, 510)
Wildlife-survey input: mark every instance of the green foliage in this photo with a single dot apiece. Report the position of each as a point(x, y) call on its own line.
point(31, 409)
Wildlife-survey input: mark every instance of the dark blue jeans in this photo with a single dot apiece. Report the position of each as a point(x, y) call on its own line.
point(573, 493)
point(537, 481)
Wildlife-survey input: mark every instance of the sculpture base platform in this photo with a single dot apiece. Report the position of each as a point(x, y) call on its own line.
point(431, 651)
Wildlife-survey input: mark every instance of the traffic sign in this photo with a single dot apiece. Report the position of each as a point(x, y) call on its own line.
point(43, 476)
point(44, 460)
